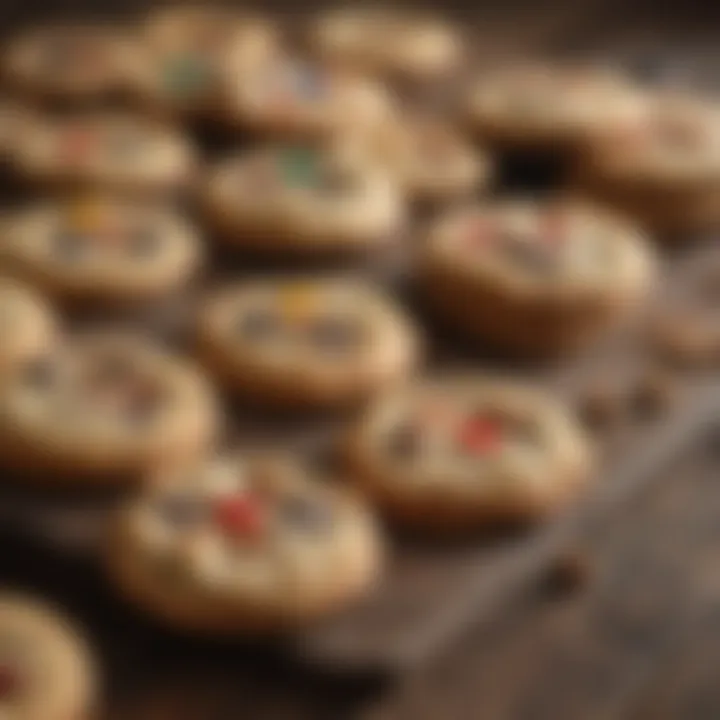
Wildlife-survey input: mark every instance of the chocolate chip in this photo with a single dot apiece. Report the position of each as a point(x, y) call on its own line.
point(337, 182)
point(70, 246)
point(111, 369)
point(654, 394)
point(530, 254)
point(40, 373)
point(144, 242)
point(182, 510)
point(602, 405)
point(404, 441)
point(142, 405)
point(305, 513)
point(569, 573)
point(258, 325)
point(335, 334)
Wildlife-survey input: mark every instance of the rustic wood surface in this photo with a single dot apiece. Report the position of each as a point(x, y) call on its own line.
point(639, 641)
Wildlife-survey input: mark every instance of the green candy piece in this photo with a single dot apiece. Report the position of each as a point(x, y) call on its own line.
point(187, 76)
point(300, 167)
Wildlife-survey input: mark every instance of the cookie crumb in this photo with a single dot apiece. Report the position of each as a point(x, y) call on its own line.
point(569, 573)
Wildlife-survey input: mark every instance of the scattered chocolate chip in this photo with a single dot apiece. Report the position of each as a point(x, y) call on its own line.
point(569, 573)
point(306, 513)
point(335, 334)
point(654, 394)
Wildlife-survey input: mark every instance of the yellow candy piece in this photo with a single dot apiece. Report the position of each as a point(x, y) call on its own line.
point(86, 214)
point(299, 302)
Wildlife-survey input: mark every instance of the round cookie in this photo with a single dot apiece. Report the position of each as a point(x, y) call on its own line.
point(11, 123)
point(430, 160)
point(401, 45)
point(290, 98)
point(313, 343)
point(73, 63)
point(535, 277)
point(101, 249)
point(302, 200)
point(46, 672)
point(27, 325)
point(190, 50)
point(662, 166)
point(104, 408)
point(242, 543)
point(114, 152)
point(547, 107)
point(460, 453)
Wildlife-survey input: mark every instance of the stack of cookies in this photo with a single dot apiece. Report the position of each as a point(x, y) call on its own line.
point(147, 156)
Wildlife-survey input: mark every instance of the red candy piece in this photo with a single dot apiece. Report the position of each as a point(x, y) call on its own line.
point(553, 227)
point(481, 436)
point(77, 143)
point(9, 681)
point(240, 516)
point(480, 232)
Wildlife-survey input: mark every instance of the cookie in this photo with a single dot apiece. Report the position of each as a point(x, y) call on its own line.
point(462, 453)
point(306, 343)
point(663, 166)
point(103, 151)
point(46, 669)
point(72, 63)
point(93, 249)
point(190, 51)
point(11, 122)
point(103, 408)
point(400, 45)
point(243, 543)
point(288, 98)
point(302, 200)
point(535, 277)
point(27, 325)
point(545, 107)
point(429, 159)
